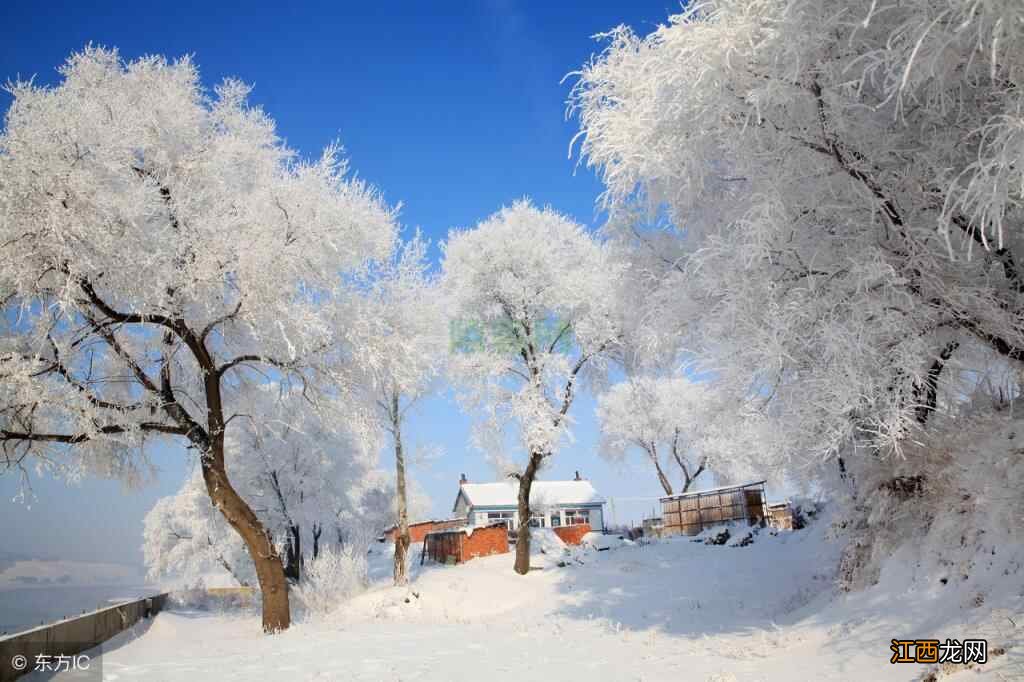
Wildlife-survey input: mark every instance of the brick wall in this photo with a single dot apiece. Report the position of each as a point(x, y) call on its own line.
point(572, 535)
point(417, 531)
point(484, 542)
point(462, 546)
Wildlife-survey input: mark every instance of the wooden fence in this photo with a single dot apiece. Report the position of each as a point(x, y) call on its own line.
point(690, 513)
point(73, 635)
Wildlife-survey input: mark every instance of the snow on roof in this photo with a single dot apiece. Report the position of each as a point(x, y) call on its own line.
point(504, 493)
point(709, 491)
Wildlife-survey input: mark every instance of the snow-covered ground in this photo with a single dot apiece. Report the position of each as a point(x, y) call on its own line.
point(669, 610)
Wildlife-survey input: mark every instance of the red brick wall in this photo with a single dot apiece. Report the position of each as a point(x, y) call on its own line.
point(484, 542)
point(572, 535)
point(463, 547)
point(417, 531)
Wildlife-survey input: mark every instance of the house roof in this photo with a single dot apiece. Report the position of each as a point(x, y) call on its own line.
point(506, 493)
point(711, 491)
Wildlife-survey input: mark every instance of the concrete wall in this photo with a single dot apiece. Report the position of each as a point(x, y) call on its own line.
point(74, 635)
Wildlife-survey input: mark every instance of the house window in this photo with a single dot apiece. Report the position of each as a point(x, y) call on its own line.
point(576, 517)
point(537, 521)
point(556, 519)
point(500, 517)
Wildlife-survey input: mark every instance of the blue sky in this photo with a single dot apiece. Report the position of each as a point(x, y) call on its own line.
point(451, 108)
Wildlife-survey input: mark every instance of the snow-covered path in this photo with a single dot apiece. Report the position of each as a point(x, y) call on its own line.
point(673, 610)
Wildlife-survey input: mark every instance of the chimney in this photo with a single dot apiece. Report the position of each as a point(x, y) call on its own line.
point(463, 479)
point(578, 476)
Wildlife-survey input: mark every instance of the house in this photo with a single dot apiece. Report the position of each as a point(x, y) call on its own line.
point(553, 504)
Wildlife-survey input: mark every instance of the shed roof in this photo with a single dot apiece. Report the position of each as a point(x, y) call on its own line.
point(506, 493)
point(711, 491)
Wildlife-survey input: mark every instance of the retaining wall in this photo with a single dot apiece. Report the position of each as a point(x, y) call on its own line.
point(74, 635)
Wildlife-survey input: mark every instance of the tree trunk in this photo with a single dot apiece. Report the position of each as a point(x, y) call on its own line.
point(688, 479)
point(522, 564)
point(293, 554)
point(317, 531)
point(269, 569)
point(652, 452)
point(681, 461)
point(926, 397)
point(402, 540)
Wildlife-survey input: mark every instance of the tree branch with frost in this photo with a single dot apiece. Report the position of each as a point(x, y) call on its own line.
point(533, 291)
point(160, 223)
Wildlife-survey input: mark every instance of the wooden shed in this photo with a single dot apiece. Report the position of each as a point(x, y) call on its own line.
point(780, 515)
point(690, 513)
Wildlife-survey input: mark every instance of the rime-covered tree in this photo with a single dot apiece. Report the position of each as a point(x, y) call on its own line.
point(186, 537)
point(161, 252)
point(530, 292)
point(821, 200)
point(665, 418)
point(405, 324)
point(308, 485)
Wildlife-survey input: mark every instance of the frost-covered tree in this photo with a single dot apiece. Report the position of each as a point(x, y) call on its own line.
point(405, 323)
point(531, 294)
point(185, 536)
point(298, 472)
point(665, 418)
point(162, 252)
point(303, 479)
point(820, 199)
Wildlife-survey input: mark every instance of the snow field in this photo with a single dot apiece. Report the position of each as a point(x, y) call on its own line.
point(668, 610)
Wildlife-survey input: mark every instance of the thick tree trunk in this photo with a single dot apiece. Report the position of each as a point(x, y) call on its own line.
point(522, 565)
point(402, 539)
point(269, 568)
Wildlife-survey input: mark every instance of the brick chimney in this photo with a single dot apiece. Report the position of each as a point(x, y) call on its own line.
point(463, 480)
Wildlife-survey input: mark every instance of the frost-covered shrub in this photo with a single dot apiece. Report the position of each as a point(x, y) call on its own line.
point(333, 577)
point(961, 523)
point(191, 596)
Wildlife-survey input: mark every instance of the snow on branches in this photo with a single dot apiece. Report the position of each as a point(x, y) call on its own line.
point(665, 418)
point(164, 253)
point(822, 201)
point(531, 296)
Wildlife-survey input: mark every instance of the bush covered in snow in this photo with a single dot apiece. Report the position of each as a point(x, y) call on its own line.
point(961, 523)
point(334, 576)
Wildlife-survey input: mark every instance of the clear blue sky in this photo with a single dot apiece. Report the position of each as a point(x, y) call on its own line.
point(451, 108)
